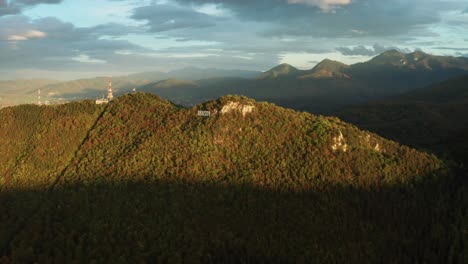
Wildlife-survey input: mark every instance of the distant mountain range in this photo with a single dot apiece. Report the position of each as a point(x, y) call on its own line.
point(329, 86)
point(25, 91)
point(325, 69)
point(325, 89)
point(15, 92)
point(194, 73)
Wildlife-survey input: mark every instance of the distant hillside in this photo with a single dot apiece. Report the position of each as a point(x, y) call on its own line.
point(430, 118)
point(88, 88)
point(143, 180)
point(169, 83)
point(16, 86)
point(327, 69)
point(419, 60)
point(193, 73)
point(330, 85)
point(19, 91)
point(283, 70)
point(190, 93)
point(24, 91)
point(327, 88)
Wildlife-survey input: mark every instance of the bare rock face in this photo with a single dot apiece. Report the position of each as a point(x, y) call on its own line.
point(370, 143)
point(236, 106)
point(339, 143)
point(377, 147)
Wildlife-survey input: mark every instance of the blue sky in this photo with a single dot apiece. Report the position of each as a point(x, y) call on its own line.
point(65, 39)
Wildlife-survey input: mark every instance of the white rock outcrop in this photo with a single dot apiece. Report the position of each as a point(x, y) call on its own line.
point(377, 147)
point(369, 140)
point(236, 106)
point(339, 143)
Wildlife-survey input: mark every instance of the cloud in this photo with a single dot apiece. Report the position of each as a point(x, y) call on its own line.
point(8, 10)
point(221, 33)
point(16, 6)
point(451, 48)
point(115, 29)
point(163, 17)
point(35, 2)
point(365, 51)
point(325, 5)
point(31, 34)
point(67, 48)
point(56, 44)
point(376, 18)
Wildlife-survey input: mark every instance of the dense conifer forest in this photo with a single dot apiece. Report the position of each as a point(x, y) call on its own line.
point(142, 180)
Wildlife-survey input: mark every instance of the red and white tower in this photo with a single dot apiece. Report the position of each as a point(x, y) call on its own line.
point(110, 96)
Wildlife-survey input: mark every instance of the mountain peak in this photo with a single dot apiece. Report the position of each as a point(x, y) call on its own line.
point(282, 70)
point(393, 57)
point(392, 52)
point(419, 52)
point(327, 69)
point(330, 65)
point(284, 67)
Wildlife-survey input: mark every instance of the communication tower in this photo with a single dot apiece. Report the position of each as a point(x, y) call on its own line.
point(39, 97)
point(110, 96)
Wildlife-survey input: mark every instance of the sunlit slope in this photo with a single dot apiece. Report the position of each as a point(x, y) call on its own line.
point(37, 143)
point(153, 182)
point(141, 135)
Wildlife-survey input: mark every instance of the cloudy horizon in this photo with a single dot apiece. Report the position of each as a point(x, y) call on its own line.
point(64, 39)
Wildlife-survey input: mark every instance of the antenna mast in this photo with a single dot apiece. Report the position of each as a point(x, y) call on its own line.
point(110, 96)
point(39, 97)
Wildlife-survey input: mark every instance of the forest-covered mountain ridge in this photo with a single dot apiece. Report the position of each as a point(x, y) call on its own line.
point(391, 60)
point(431, 118)
point(239, 132)
point(229, 183)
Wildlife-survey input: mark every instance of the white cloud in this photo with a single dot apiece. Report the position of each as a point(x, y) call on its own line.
point(325, 5)
point(31, 34)
point(86, 59)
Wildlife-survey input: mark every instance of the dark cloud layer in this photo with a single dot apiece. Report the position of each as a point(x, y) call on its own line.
point(15, 6)
point(57, 44)
point(368, 17)
point(169, 17)
point(249, 34)
point(451, 48)
point(35, 2)
point(52, 45)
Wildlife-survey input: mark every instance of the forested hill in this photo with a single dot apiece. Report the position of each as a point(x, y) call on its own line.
point(141, 134)
point(252, 182)
point(431, 118)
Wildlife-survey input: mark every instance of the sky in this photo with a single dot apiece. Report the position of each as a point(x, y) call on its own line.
point(70, 39)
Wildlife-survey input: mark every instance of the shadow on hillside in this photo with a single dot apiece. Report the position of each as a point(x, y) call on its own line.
point(158, 221)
